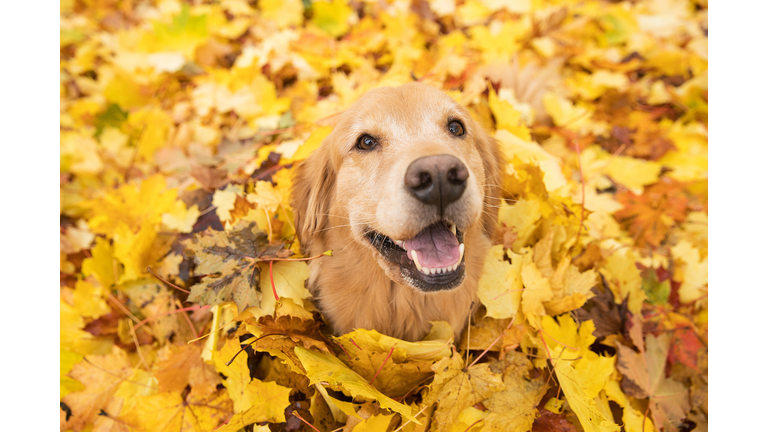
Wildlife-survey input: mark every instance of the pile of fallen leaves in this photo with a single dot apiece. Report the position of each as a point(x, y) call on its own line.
point(182, 288)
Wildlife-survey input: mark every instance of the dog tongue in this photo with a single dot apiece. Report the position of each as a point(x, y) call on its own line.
point(436, 246)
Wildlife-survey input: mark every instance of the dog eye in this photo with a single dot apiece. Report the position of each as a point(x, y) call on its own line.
point(366, 142)
point(456, 128)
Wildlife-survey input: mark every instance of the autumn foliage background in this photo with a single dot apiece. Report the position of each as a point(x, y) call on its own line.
point(181, 124)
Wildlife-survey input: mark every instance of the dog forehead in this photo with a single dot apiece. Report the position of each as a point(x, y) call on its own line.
point(409, 109)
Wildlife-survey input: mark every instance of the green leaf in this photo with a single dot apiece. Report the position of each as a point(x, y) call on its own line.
point(657, 292)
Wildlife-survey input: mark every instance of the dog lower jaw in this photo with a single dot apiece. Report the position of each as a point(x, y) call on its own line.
point(401, 269)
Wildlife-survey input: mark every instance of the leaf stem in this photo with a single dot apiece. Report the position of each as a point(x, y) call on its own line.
point(417, 414)
point(242, 348)
point(353, 343)
point(492, 344)
point(296, 259)
point(272, 281)
point(296, 413)
point(149, 270)
point(343, 349)
point(382, 365)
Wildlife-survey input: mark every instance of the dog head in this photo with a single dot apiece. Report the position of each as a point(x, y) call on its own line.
point(408, 172)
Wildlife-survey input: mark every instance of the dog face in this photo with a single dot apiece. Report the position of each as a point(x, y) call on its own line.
point(408, 173)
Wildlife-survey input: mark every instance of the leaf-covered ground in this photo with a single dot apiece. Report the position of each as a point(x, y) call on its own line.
point(182, 297)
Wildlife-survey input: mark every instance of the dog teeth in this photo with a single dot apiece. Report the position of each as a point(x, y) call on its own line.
point(415, 258)
point(398, 242)
point(437, 270)
point(453, 229)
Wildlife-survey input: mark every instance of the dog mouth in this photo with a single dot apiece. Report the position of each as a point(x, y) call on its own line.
point(433, 260)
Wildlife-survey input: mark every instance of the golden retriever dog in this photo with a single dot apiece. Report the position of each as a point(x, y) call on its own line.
point(405, 192)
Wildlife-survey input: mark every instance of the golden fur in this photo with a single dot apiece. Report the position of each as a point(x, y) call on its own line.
point(339, 192)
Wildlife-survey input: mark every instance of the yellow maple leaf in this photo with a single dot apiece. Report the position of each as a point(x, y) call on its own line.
point(564, 112)
point(633, 173)
point(153, 124)
point(633, 418)
point(269, 197)
point(289, 277)
point(592, 86)
point(570, 288)
point(376, 423)
point(519, 152)
point(596, 370)
point(124, 89)
point(537, 290)
point(396, 373)
point(690, 158)
point(507, 117)
point(433, 347)
point(472, 12)
point(100, 376)
point(261, 400)
point(67, 384)
point(73, 338)
point(102, 264)
point(186, 31)
point(580, 372)
point(522, 217)
point(565, 332)
point(224, 201)
point(168, 411)
point(624, 278)
point(181, 218)
point(135, 250)
point(694, 274)
point(323, 367)
point(469, 420)
point(456, 388)
point(79, 154)
point(312, 143)
point(133, 206)
point(89, 300)
point(332, 17)
point(500, 287)
point(514, 408)
point(284, 13)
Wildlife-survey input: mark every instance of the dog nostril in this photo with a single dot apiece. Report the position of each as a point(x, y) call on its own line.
point(452, 175)
point(424, 179)
point(457, 175)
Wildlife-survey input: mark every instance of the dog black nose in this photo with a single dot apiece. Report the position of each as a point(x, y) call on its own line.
point(437, 180)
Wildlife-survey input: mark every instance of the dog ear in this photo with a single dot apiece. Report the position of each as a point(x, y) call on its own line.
point(493, 163)
point(313, 187)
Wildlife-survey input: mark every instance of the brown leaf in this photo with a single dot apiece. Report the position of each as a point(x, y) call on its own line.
point(590, 258)
point(644, 374)
point(609, 318)
point(304, 332)
point(551, 422)
point(210, 178)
